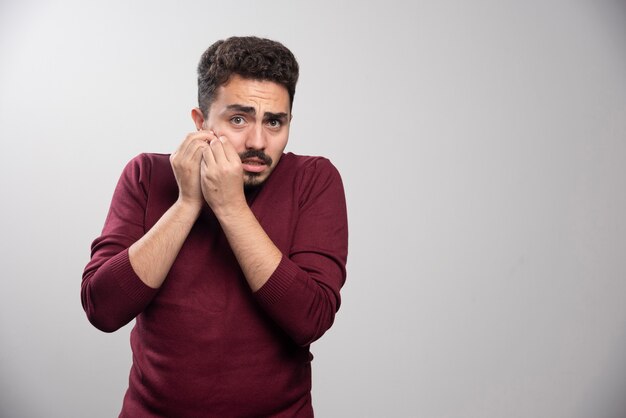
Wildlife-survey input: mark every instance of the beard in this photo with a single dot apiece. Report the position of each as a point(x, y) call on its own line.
point(252, 180)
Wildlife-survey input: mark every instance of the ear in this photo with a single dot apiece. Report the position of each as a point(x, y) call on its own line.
point(198, 118)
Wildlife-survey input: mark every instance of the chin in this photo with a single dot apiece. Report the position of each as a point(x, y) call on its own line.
point(253, 180)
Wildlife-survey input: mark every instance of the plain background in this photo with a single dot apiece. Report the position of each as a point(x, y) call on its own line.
point(483, 150)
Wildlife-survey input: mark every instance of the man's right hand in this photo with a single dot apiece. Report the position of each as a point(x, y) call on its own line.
point(185, 163)
point(152, 256)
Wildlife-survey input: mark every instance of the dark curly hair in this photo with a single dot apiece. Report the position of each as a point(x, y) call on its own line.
point(249, 57)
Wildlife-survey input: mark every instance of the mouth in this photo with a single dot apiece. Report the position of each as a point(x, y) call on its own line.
point(254, 161)
point(253, 165)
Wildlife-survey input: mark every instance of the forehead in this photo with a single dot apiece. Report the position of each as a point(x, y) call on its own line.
point(269, 95)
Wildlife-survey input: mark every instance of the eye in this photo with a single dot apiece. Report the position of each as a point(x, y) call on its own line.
point(237, 120)
point(274, 123)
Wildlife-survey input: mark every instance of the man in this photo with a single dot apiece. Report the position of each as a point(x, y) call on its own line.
point(229, 253)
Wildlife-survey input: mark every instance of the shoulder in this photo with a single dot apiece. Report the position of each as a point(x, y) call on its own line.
point(311, 175)
point(308, 166)
point(145, 170)
point(150, 160)
point(143, 165)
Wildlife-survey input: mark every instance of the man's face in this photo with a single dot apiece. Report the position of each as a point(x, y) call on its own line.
point(254, 115)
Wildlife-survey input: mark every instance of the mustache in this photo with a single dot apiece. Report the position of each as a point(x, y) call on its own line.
point(255, 153)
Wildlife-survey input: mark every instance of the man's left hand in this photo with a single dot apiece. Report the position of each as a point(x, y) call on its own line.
point(221, 176)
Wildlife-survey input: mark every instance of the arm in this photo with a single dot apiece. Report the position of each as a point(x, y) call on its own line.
point(152, 256)
point(300, 291)
point(128, 265)
point(303, 293)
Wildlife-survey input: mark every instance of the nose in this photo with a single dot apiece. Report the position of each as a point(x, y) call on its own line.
point(256, 138)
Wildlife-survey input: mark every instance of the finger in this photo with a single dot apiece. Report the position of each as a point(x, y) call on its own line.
point(229, 150)
point(189, 146)
point(218, 151)
point(197, 152)
point(193, 152)
point(207, 156)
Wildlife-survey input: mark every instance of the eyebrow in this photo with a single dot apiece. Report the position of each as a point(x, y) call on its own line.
point(271, 115)
point(249, 110)
point(241, 108)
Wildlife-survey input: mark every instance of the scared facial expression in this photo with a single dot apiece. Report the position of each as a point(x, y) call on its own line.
point(254, 115)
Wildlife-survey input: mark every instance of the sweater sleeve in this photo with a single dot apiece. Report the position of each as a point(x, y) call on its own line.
point(302, 295)
point(111, 292)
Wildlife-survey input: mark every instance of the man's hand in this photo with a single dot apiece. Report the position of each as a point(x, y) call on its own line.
point(222, 181)
point(152, 256)
point(185, 163)
point(221, 176)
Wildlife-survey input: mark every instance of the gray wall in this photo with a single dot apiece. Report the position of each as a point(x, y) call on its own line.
point(483, 149)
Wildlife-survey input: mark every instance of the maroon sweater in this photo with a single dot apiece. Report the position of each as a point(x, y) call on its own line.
point(205, 345)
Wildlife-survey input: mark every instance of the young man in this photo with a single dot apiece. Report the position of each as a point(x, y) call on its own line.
point(229, 253)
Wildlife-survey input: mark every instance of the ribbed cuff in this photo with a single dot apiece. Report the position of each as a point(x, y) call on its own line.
point(128, 280)
point(278, 283)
